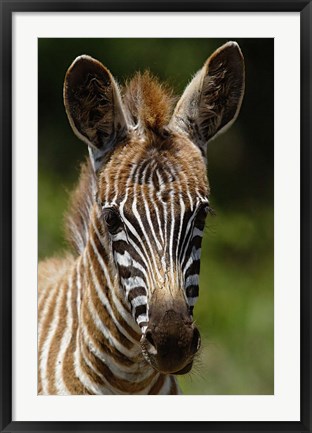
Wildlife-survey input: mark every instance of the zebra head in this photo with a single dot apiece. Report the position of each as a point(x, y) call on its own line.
point(152, 187)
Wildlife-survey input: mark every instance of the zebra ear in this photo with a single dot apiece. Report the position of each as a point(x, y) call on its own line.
point(212, 100)
point(93, 106)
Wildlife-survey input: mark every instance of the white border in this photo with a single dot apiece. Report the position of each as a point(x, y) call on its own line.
point(284, 405)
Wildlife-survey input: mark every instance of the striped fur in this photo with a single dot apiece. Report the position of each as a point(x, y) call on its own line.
point(117, 316)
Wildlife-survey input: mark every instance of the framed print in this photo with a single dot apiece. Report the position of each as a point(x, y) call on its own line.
point(155, 216)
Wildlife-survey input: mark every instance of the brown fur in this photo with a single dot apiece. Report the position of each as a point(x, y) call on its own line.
point(148, 102)
point(78, 216)
point(51, 270)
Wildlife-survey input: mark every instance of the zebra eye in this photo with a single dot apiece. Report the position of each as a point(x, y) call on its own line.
point(202, 212)
point(112, 219)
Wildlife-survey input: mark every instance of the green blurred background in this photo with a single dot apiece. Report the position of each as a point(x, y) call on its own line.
point(236, 304)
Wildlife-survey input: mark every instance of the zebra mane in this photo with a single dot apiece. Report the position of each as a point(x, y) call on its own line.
point(78, 215)
point(149, 103)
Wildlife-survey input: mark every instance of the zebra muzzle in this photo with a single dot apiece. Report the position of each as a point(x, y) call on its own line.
point(171, 343)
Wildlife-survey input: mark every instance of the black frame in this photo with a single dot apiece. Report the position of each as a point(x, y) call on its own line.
point(7, 8)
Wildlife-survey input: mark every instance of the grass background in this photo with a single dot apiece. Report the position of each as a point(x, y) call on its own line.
point(236, 305)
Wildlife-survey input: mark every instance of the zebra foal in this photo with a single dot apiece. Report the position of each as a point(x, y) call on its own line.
point(117, 316)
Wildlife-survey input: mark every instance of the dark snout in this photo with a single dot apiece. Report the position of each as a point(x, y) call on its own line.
point(171, 342)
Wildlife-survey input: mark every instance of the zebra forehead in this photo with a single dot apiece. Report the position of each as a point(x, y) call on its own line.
point(160, 187)
point(146, 170)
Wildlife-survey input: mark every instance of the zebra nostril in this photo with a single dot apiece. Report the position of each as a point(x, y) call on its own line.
point(196, 341)
point(149, 343)
point(149, 338)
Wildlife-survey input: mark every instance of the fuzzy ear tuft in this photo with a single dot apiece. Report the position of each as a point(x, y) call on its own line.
point(212, 100)
point(93, 106)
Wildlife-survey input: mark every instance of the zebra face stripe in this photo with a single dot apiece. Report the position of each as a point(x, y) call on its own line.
point(154, 207)
point(154, 249)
